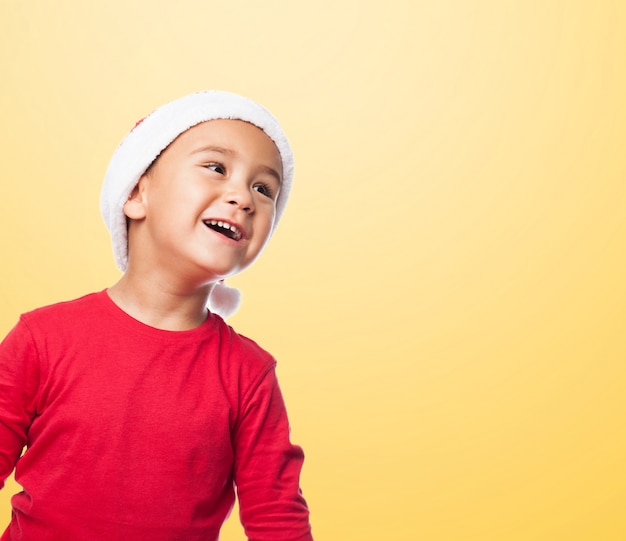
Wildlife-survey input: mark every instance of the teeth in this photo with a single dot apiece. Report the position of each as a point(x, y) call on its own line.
point(236, 234)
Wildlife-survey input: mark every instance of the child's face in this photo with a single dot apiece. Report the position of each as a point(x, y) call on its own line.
point(206, 206)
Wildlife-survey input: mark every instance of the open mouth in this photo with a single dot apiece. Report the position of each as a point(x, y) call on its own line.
point(224, 228)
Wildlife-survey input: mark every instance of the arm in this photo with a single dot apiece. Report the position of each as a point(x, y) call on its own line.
point(267, 468)
point(19, 380)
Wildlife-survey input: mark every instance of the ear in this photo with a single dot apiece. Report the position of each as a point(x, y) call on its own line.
point(134, 208)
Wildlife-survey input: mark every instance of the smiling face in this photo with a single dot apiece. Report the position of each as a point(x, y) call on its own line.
point(205, 209)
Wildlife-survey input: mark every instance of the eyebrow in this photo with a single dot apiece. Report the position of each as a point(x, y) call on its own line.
point(212, 148)
point(272, 172)
point(232, 153)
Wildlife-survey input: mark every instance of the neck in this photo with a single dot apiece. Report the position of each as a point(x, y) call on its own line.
point(163, 306)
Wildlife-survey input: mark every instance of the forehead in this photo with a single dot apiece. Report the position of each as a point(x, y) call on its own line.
point(235, 136)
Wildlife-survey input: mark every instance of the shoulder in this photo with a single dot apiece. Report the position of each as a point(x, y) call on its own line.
point(61, 318)
point(61, 311)
point(40, 330)
point(237, 343)
point(240, 356)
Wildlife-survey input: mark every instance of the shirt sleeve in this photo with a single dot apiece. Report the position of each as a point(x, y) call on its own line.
point(19, 381)
point(267, 468)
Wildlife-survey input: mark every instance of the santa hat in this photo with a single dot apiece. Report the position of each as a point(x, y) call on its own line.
point(153, 134)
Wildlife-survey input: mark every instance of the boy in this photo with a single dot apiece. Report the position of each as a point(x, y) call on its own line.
point(139, 407)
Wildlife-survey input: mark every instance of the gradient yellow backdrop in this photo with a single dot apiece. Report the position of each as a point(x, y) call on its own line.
point(446, 293)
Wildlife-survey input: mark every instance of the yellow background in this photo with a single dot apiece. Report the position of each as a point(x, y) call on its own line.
point(446, 293)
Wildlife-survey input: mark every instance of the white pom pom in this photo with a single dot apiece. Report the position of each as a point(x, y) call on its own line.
point(224, 300)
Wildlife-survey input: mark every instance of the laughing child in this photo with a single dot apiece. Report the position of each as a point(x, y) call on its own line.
point(140, 409)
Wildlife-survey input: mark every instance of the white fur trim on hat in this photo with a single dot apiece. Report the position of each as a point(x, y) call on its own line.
point(156, 131)
point(224, 300)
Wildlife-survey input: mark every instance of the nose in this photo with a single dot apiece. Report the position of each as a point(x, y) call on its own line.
point(239, 194)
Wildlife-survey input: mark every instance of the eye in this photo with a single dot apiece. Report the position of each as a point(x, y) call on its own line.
point(217, 167)
point(264, 189)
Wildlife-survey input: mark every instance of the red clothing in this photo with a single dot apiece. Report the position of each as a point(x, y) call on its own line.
point(138, 434)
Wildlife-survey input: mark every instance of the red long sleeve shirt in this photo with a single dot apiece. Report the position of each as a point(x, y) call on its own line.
point(134, 433)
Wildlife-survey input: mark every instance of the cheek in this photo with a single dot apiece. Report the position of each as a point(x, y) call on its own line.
point(175, 201)
point(265, 235)
point(268, 222)
point(263, 223)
